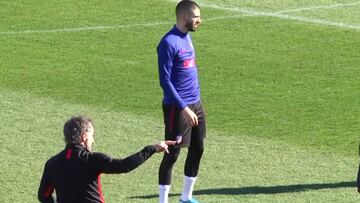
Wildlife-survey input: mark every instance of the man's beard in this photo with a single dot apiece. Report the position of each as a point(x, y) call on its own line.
point(190, 26)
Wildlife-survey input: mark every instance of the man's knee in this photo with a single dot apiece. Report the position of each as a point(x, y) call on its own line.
point(172, 156)
point(197, 145)
point(196, 153)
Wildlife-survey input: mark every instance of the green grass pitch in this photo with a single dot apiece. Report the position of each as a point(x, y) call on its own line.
point(279, 80)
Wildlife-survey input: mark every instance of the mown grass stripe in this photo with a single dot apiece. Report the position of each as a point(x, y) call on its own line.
point(238, 168)
point(245, 12)
point(279, 14)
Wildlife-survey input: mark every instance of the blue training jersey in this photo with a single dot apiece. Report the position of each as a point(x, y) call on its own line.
point(177, 69)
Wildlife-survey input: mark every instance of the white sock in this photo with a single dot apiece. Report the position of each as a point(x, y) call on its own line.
point(164, 193)
point(189, 183)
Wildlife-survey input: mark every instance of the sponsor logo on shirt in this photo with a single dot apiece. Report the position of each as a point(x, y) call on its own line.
point(189, 63)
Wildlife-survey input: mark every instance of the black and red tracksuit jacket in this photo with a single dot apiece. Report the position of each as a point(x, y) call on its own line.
point(358, 179)
point(74, 174)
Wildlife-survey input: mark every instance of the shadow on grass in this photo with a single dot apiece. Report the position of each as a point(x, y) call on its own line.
point(254, 190)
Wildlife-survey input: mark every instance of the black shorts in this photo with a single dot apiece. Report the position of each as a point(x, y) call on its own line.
point(176, 125)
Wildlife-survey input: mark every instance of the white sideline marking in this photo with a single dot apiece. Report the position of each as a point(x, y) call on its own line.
point(78, 29)
point(248, 12)
point(331, 6)
point(243, 11)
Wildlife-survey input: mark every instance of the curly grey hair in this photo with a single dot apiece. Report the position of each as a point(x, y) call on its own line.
point(74, 127)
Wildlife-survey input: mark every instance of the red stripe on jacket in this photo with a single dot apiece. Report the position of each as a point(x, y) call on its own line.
point(68, 154)
point(49, 191)
point(100, 190)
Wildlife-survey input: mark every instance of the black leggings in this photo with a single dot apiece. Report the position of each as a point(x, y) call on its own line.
point(192, 163)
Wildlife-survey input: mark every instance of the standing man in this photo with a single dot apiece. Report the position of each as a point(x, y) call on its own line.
point(74, 173)
point(183, 113)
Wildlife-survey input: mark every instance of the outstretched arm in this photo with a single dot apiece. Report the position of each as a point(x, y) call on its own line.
point(111, 165)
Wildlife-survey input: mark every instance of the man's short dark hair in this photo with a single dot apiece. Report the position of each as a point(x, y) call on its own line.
point(185, 6)
point(74, 127)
